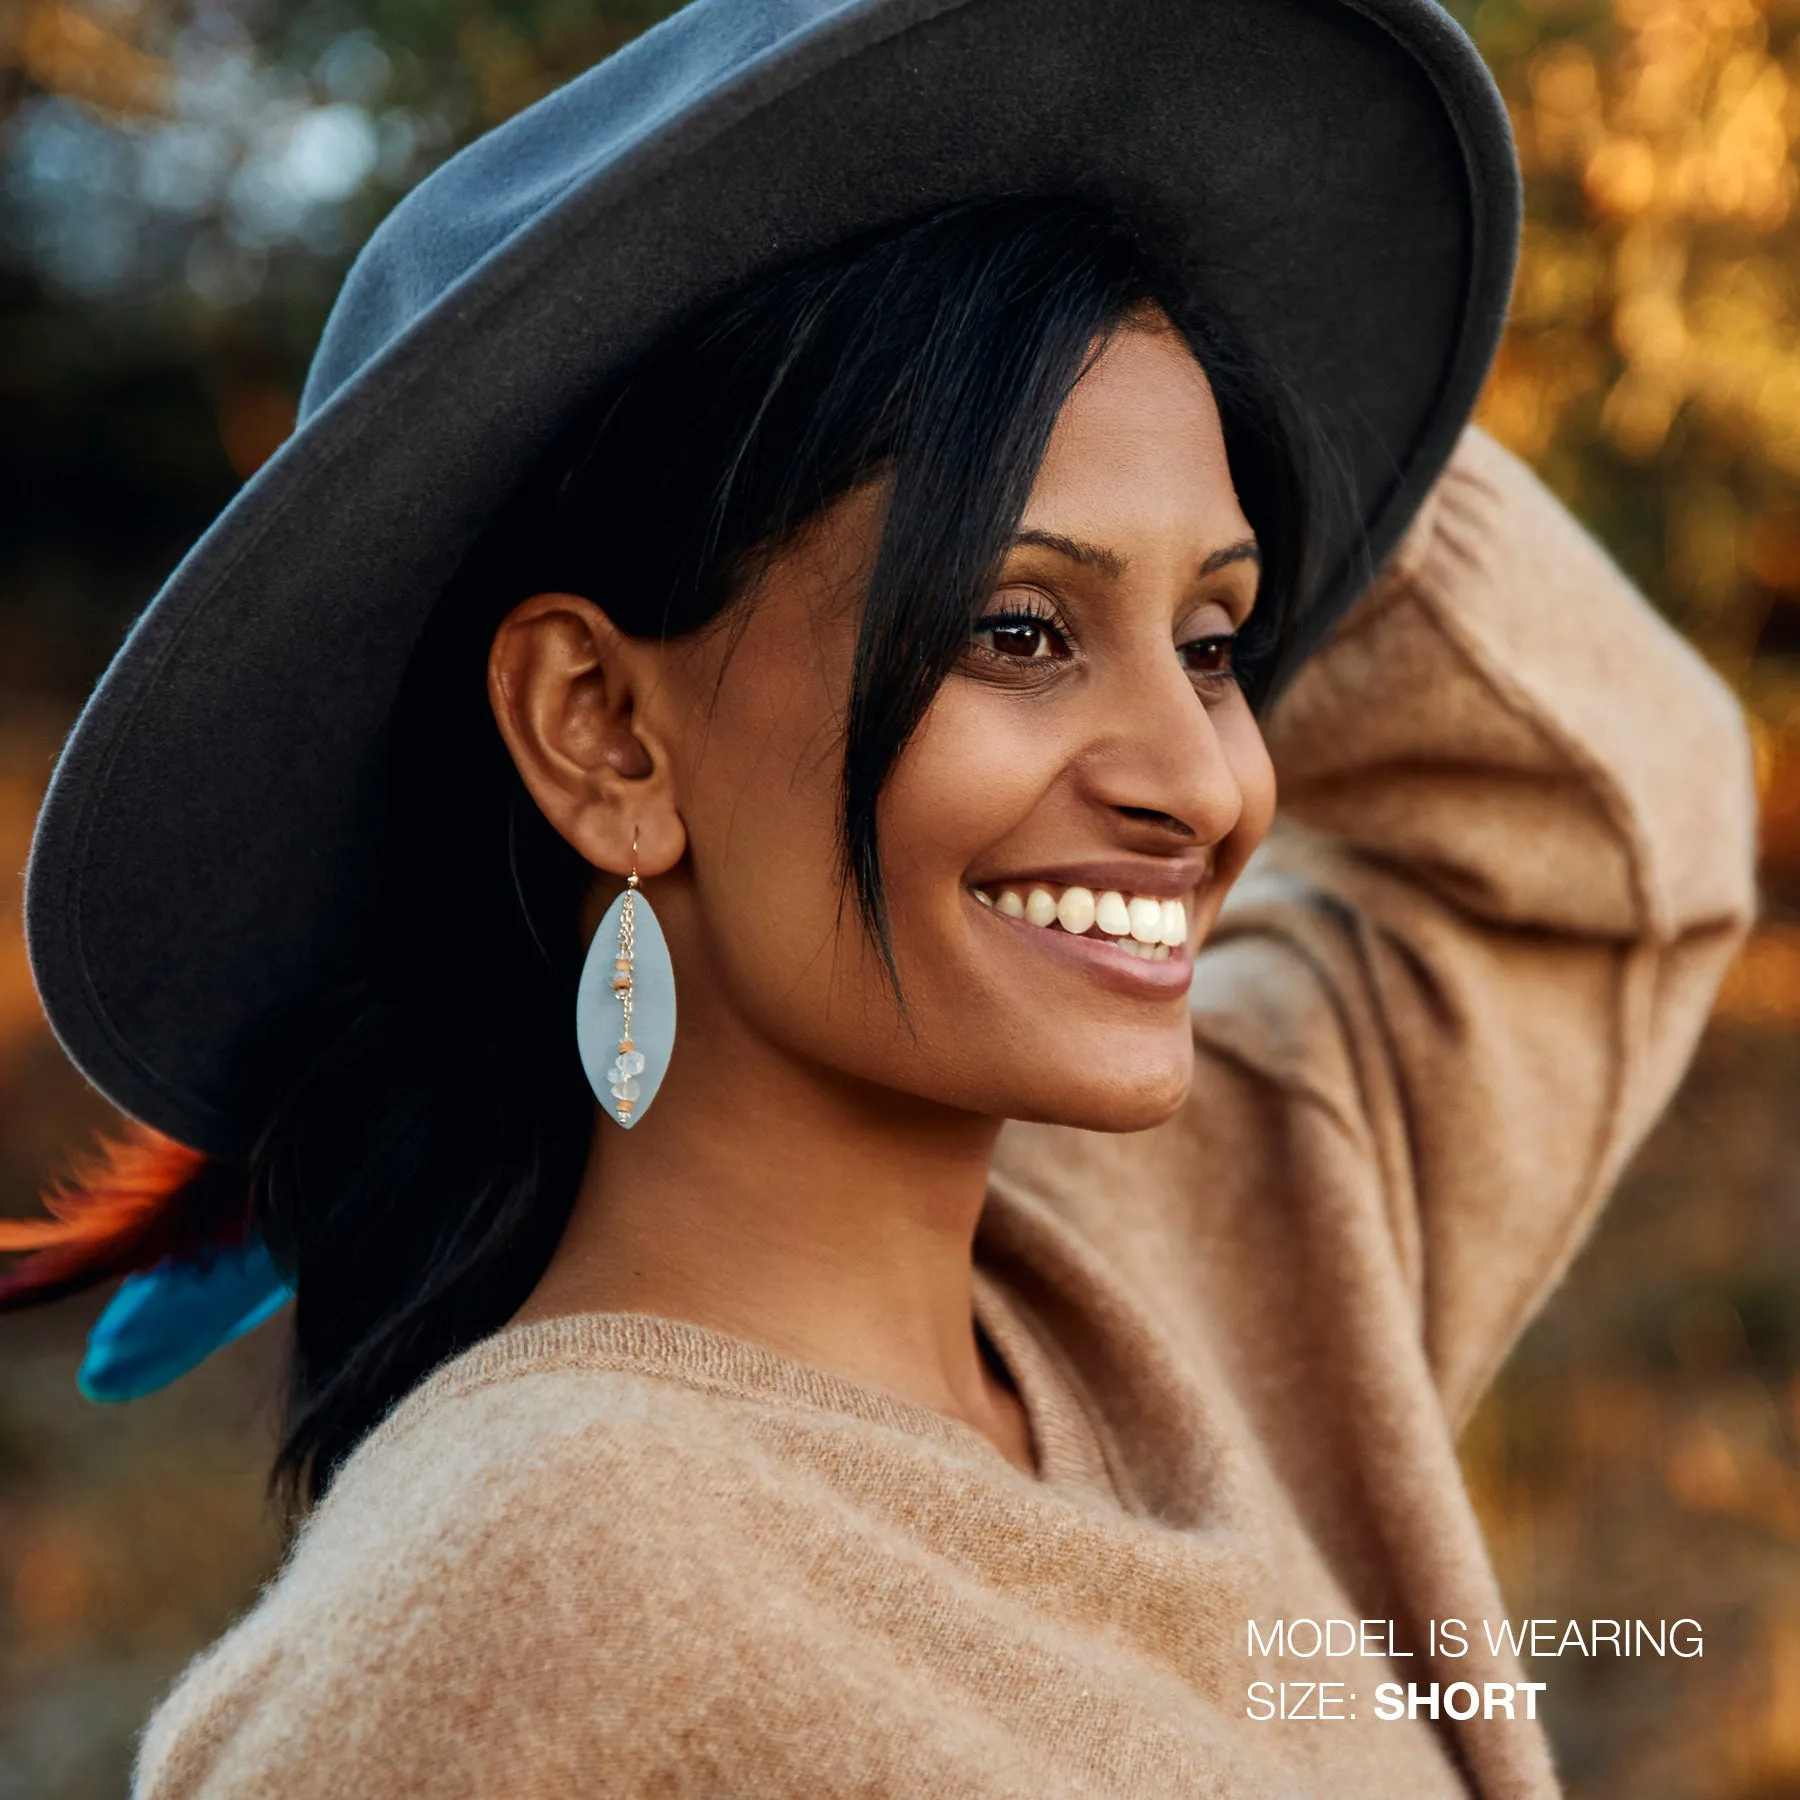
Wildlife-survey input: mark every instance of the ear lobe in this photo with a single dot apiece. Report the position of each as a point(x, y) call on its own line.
point(567, 689)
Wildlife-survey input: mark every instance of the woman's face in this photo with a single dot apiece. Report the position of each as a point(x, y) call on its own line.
point(1089, 777)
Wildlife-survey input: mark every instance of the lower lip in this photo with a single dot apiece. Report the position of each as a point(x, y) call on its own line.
point(1116, 968)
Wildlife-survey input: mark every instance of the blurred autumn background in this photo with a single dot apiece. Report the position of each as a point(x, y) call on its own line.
point(181, 186)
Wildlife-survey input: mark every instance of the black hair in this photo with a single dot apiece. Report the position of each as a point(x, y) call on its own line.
point(416, 1177)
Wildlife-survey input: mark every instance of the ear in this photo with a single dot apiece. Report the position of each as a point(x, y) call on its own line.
point(570, 693)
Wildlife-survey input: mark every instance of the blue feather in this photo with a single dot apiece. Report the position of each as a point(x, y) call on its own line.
point(167, 1320)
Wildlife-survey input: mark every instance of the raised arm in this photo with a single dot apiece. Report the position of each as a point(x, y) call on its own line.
point(1516, 850)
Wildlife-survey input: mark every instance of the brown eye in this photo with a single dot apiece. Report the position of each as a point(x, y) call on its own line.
point(1021, 636)
point(1210, 657)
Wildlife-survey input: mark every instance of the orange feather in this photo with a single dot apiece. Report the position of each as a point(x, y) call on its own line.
point(136, 1199)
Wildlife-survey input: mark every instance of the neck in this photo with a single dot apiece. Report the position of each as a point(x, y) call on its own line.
point(825, 1219)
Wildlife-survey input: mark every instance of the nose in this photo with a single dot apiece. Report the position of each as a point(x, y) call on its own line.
point(1155, 756)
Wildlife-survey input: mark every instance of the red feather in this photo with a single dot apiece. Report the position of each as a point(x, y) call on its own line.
point(137, 1198)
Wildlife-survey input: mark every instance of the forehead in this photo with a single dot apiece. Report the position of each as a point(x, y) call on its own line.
point(1138, 446)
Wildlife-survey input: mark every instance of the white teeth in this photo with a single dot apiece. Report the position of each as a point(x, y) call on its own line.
point(1075, 910)
point(1112, 915)
point(1145, 952)
point(1141, 925)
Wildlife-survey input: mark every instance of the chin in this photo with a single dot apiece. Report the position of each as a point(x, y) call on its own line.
point(1132, 1104)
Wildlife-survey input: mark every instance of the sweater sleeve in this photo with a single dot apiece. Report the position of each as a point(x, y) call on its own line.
point(1515, 849)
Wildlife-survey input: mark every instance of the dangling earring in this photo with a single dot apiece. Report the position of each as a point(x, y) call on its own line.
point(626, 999)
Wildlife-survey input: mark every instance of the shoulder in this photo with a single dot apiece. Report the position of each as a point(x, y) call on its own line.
point(511, 1446)
point(510, 1547)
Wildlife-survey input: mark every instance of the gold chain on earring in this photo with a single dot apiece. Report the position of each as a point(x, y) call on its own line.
point(621, 981)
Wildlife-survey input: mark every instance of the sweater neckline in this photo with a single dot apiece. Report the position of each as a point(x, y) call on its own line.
point(1065, 1443)
point(1065, 1449)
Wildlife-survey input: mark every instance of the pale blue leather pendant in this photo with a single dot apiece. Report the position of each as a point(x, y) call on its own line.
point(625, 1076)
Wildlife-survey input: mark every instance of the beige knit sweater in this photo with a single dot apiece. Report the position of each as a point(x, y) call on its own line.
point(622, 1555)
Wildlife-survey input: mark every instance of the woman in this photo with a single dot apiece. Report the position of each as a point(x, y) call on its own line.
point(953, 1356)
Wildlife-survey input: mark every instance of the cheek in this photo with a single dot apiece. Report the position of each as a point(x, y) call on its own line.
point(1248, 754)
point(1252, 772)
point(765, 844)
point(776, 956)
point(760, 799)
point(975, 770)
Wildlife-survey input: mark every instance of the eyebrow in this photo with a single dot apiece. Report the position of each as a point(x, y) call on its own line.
point(1113, 565)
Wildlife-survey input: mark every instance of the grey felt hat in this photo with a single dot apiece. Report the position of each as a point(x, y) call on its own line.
point(1340, 172)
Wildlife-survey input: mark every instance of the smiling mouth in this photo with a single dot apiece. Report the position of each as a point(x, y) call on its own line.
point(1145, 926)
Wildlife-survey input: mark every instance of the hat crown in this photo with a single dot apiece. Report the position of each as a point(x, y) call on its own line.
point(497, 186)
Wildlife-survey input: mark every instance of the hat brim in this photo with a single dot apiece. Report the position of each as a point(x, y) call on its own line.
point(1340, 177)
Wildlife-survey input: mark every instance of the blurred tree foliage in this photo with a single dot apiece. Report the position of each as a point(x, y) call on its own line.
point(1652, 366)
point(181, 188)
